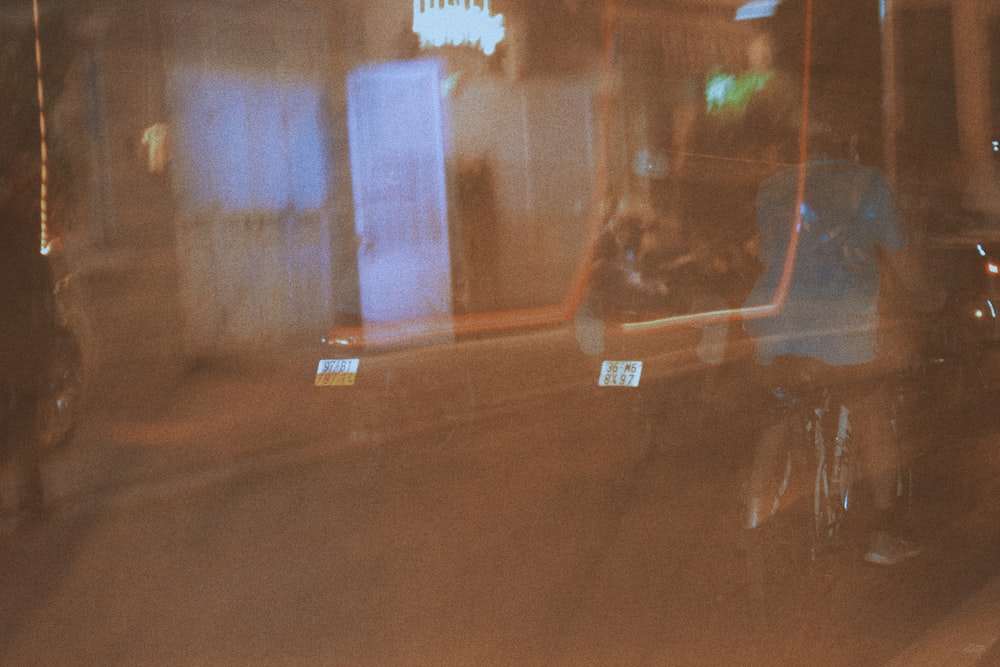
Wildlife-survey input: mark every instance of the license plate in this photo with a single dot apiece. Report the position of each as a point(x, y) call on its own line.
point(620, 374)
point(336, 372)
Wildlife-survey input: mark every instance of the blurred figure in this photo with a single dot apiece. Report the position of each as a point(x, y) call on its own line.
point(636, 264)
point(634, 274)
point(26, 316)
point(826, 330)
point(480, 224)
point(26, 332)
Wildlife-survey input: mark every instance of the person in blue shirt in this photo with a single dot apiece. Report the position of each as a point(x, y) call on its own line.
point(848, 233)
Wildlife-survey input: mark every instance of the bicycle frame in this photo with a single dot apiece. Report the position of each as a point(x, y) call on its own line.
point(806, 452)
point(833, 475)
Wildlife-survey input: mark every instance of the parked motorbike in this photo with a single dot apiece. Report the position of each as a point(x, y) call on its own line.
point(968, 333)
point(40, 403)
point(58, 411)
point(61, 388)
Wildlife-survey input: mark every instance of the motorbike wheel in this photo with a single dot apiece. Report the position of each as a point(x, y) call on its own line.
point(58, 411)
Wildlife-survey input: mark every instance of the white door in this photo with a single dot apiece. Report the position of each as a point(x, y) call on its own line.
point(396, 127)
point(250, 166)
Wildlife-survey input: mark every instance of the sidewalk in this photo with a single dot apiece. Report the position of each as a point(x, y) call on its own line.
point(211, 420)
point(227, 413)
point(968, 636)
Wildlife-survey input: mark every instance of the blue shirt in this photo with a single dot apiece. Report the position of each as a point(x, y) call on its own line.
point(847, 213)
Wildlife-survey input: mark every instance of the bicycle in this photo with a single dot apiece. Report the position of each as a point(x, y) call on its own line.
point(794, 538)
point(800, 525)
point(816, 464)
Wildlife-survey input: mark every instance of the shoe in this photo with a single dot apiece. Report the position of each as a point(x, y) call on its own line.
point(889, 550)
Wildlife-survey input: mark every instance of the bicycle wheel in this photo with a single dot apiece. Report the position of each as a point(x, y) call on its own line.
point(778, 523)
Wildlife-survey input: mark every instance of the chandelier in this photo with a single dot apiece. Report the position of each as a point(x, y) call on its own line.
point(457, 22)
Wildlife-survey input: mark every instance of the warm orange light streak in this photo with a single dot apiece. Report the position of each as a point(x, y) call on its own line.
point(476, 323)
point(786, 275)
point(43, 194)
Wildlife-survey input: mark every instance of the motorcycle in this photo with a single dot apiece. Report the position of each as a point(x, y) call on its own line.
point(60, 390)
point(968, 331)
point(40, 402)
point(58, 410)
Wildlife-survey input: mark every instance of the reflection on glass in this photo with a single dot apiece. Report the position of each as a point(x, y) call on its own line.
point(395, 124)
point(250, 144)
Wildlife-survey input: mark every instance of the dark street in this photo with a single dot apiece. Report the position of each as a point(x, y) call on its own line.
point(242, 524)
point(612, 333)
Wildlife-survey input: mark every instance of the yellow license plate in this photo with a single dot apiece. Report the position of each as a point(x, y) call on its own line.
point(336, 372)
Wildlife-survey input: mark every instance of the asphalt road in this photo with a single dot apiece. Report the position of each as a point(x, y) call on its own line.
point(581, 531)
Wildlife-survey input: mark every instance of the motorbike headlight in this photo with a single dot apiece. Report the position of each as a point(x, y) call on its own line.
point(985, 310)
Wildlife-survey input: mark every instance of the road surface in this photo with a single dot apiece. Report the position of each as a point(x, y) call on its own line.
point(576, 531)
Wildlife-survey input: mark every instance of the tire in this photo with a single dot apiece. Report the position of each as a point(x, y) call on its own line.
point(913, 401)
point(777, 533)
point(59, 408)
point(795, 553)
